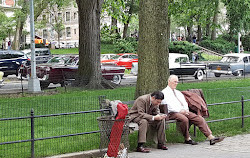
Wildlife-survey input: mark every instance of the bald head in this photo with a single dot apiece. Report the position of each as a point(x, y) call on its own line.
point(173, 81)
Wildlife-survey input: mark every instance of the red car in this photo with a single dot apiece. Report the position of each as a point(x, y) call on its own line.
point(63, 73)
point(125, 60)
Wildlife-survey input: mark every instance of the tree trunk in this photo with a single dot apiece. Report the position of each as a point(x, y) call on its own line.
point(16, 42)
point(168, 28)
point(153, 47)
point(125, 31)
point(89, 70)
point(190, 33)
point(199, 34)
point(208, 27)
point(130, 12)
point(215, 20)
point(114, 26)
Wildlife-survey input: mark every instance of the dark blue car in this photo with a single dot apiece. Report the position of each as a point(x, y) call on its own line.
point(10, 61)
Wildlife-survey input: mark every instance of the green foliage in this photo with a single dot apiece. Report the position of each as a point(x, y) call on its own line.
point(128, 45)
point(182, 47)
point(238, 15)
point(219, 45)
point(246, 42)
point(107, 37)
point(6, 26)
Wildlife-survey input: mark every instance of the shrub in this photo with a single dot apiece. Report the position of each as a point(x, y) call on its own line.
point(107, 37)
point(219, 45)
point(182, 47)
point(128, 45)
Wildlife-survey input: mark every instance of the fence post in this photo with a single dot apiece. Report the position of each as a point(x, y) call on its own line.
point(32, 134)
point(242, 111)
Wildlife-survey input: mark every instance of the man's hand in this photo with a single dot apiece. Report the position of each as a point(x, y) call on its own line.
point(160, 117)
point(184, 112)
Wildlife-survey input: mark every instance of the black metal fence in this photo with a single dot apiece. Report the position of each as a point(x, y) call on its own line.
point(65, 125)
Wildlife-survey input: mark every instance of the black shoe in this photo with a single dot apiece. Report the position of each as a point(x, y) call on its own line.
point(190, 142)
point(216, 140)
point(163, 147)
point(142, 149)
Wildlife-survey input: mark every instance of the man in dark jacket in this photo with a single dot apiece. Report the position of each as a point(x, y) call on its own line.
point(145, 112)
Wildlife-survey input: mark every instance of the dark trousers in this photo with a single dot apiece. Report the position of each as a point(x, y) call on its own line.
point(191, 118)
point(144, 125)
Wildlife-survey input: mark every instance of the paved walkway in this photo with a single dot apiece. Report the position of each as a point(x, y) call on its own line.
point(232, 147)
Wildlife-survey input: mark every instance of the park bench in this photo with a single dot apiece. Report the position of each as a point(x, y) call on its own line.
point(104, 104)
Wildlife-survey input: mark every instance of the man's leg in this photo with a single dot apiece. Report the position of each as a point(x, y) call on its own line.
point(161, 136)
point(160, 127)
point(184, 123)
point(142, 134)
point(143, 128)
point(200, 122)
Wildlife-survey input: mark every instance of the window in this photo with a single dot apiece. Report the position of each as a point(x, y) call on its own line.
point(52, 18)
point(68, 32)
point(44, 17)
point(245, 59)
point(67, 16)
point(75, 31)
point(75, 15)
point(59, 16)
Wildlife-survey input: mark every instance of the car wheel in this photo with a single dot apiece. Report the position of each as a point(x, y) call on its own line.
point(199, 75)
point(117, 79)
point(239, 73)
point(217, 75)
point(44, 85)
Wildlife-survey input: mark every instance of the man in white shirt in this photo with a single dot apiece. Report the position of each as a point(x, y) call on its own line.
point(178, 110)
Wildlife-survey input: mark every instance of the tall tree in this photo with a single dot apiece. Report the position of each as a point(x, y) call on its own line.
point(89, 70)
point(153, 46)
point(238, 15)
point(21, 17)
point(215, 19)
point(122, 10)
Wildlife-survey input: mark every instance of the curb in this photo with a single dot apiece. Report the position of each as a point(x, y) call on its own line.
point(85, 154)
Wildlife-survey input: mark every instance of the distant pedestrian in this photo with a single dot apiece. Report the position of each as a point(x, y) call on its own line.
point(193, 56)
point(196, 57)
point(9, 45)
point(194, 39)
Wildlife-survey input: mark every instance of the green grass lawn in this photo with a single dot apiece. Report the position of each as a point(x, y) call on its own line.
point(75, 99)
point(105, 48)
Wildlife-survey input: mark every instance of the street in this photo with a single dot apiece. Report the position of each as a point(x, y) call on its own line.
point(13, 85)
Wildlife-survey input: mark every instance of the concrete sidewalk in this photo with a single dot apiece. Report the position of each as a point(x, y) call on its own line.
point(232, 147)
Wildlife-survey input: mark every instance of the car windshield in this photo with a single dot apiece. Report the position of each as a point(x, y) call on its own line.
point(181, 60)
point(72, 61)
point(115, 57)
point(230, 59)
point(58, 60)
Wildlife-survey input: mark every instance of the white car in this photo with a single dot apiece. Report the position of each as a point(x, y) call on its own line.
point(179, 65)
point(1, 78)
point(107, 56)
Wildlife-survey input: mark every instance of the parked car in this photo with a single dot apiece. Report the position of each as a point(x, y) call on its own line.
point(179, 65)
point(42, 54)
point(107, 56)
point(11, 60)
point(63, 44)
point(125, 60)
point(1, 78)
point(60, 73)
point(233, 63)
point(56, 60)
